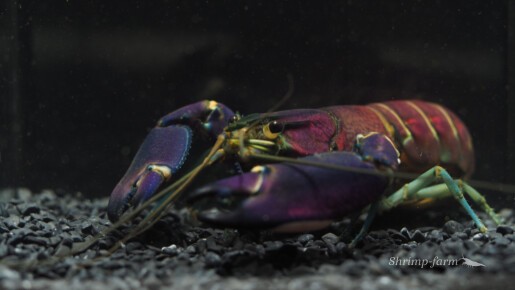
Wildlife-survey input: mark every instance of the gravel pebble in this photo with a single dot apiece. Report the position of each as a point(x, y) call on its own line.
point(502, 242)
point(481, 237)
point(212, 260)
point(305, 238)
point(29, 208)
point(38, 227)
point(330, 238)
point(405, 233)
point(505, 230)
point(171, 250)
point(418, 236)
point(452, 227)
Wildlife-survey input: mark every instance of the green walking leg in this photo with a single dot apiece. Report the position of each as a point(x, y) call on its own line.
point(420, 188)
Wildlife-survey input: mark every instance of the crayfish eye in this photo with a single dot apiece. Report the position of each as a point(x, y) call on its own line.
point(272, 129)
point(234, 119)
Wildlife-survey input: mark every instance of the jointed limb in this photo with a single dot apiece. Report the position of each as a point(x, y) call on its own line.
point(421, 188)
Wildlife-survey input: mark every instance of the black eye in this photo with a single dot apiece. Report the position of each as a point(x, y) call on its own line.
point(272, 130)
point(234, 119)
point(276, 127)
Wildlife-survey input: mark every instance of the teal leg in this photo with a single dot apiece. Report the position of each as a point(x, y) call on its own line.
point(481, 201)
point(440, 191)
point(372, 211)
point(420, 188)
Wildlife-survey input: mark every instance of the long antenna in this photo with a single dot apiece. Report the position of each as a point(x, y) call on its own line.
point(501, 187)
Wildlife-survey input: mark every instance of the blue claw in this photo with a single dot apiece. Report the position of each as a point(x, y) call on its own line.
point(206, 116)
point(289, 197)
point(162, 153)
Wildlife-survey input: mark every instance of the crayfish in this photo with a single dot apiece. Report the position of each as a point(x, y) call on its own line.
point(299, 170)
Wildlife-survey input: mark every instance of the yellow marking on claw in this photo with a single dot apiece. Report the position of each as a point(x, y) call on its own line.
point(261, 170)
point(258, 169)
point(212, 105)
point(164, 171)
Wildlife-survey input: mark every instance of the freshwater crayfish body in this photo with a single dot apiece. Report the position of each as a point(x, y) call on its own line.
point(308, 167)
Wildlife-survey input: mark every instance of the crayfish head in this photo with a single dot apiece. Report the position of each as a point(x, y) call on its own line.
point(245, 137)
point(291, 133)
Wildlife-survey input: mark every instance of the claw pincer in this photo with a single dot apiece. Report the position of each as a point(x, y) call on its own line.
point(290, 197)
point(164, 152)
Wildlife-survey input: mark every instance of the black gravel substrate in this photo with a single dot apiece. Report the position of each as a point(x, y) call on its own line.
point(176, 254)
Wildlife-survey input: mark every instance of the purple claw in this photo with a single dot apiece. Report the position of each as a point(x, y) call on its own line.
point(162, 153)
point(288, 197)
point(203, 116)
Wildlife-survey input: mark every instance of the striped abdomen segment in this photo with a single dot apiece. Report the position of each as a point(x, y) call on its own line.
point(427, 134)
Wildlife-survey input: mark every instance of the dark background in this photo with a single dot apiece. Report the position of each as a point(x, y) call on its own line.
point(82, 82)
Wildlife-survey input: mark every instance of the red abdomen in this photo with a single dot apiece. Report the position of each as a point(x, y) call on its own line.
point(426, 134)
